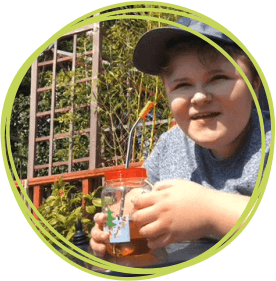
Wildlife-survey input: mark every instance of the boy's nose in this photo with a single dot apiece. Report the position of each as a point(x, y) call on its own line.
point(201, 97)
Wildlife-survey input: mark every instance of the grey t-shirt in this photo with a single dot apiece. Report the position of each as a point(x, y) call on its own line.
point(177, 157)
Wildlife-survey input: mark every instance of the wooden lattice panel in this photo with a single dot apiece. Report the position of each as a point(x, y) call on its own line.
point(36, 90)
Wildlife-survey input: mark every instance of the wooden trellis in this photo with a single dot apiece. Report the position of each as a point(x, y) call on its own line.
point(92, 131)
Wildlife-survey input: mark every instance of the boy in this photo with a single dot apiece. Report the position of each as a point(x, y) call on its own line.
point(206, 167)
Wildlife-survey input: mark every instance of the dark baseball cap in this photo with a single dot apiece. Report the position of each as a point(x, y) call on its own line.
point(150, 51)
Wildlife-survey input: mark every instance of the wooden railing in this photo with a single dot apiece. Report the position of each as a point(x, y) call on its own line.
point(86, 177)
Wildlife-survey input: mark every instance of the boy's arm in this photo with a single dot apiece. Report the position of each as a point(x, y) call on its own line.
point(224, 211)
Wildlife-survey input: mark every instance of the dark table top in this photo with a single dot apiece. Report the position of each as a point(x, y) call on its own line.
point(176, 253)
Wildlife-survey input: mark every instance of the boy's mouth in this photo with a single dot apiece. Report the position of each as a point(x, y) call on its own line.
point(205, 115)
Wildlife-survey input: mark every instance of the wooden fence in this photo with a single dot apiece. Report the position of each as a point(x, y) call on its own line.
point(35, 186)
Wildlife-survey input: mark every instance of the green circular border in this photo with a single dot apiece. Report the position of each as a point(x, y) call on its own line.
point(257, 196)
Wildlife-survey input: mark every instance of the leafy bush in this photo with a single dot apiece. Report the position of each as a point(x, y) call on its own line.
point(66, 205)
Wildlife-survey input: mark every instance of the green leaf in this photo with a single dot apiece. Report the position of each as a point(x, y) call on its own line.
point(77, 212)
point(61, 182)
point(55, 192)
point(47, 209)
point(54, 203)
point(97, 202)
point(53, 221)
point(56, 185)
point(96, 190)
point(63, 208)
point(75, 201)
point(87, 196)
point(61, 218)
point(90, 210)
point(51, 198)
point(71, 218)
point(85, 221)
point(70, 235)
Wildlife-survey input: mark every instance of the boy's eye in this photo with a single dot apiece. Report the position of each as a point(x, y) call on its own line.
point(219, 77)
point(181, 85)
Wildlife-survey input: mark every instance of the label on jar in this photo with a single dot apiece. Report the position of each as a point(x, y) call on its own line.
point(119, 232)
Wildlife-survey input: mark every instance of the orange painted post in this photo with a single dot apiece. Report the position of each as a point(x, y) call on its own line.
point(86, 187)
point(37, 197)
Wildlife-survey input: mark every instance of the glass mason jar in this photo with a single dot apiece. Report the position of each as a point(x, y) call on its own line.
point(121, 186)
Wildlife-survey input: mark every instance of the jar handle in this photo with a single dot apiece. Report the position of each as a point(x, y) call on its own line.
point(149, 183)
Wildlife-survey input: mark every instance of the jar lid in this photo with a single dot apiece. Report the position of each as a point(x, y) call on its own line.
point(126, 174)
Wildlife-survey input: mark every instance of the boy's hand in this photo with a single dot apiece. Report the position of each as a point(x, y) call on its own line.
point(174, 212)
point(181, 210)
point(98, 236)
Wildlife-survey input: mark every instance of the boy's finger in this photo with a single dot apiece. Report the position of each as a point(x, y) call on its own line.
point(159, 243)
point(99, 250)
point(144, 200)
point(100, 219)
point(98, 235)
point(101, 237)
point(152, 230)
point(144, 216)
point(164, 184)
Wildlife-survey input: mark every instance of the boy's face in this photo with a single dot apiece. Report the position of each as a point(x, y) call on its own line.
point(211, 103)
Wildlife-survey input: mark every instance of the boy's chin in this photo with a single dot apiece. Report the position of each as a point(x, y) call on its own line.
point(211, 142)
